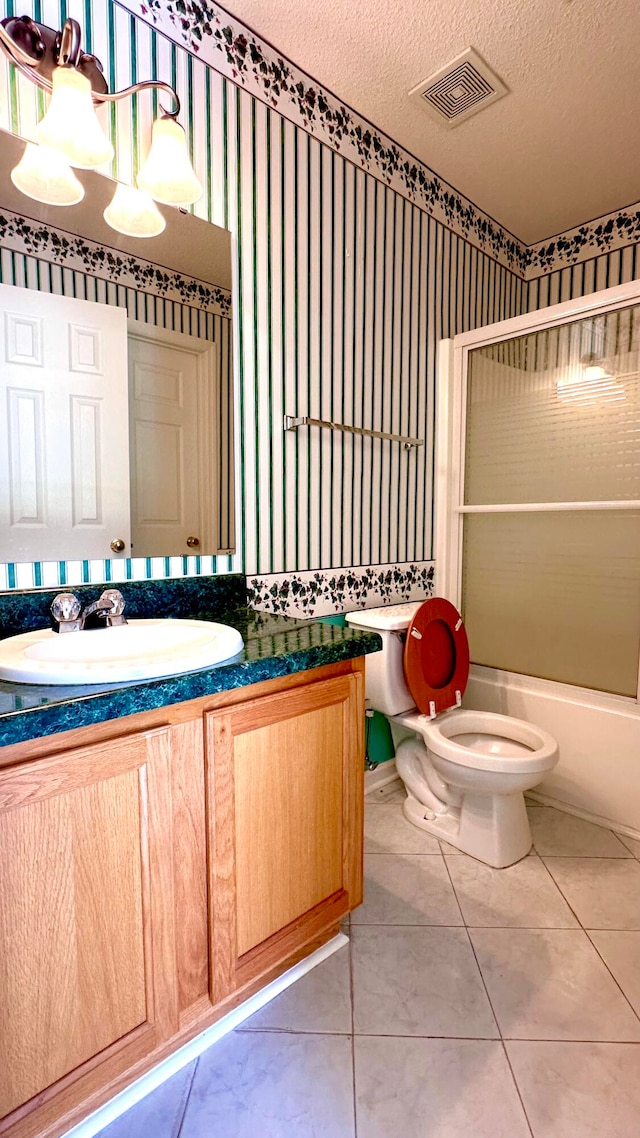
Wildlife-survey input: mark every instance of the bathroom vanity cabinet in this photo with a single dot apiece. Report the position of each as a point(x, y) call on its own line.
point(158, 869)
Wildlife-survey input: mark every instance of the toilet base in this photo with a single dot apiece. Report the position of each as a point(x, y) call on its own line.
point(492, 828)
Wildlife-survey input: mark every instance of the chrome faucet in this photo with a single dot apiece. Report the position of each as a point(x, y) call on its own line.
point(67, 611)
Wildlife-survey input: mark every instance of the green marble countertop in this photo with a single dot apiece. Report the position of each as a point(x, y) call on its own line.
point(273, 646)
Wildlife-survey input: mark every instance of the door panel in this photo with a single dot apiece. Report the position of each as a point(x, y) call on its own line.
point(284, 870)
point(166, 494)
point(285, 786)
point(86, 932)
point(64, 457)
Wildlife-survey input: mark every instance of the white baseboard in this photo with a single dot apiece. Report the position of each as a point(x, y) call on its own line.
point(173, 1063)
point(380, 776)
point(597, 819)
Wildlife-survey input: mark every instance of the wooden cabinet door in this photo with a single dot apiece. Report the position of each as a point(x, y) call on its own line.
point(87, 939)
point(285, 788)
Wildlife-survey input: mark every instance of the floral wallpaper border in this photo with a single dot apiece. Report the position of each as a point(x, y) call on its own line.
point(604, 235)
point(328, 592)
point(221, 41)
point(22, 235)
point(205, 29)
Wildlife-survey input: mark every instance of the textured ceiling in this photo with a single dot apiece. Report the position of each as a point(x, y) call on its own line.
point(561, 148)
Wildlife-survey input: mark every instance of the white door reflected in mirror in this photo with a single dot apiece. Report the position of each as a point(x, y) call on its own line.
point(64, 456)
point(173, 391)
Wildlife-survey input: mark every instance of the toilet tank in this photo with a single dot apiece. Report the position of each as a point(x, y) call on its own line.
point(385, 688)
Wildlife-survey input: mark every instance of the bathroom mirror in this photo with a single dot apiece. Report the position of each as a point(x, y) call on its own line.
point(116, 415)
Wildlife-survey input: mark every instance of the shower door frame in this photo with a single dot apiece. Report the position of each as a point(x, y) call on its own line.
point(490, 688)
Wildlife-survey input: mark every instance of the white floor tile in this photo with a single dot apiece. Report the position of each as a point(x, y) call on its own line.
point(158, 1114)
point(551, 984)
point(621, 953)
point(632, 845)
point(429, 1062)
point(579, 1090)
point(604, 893)
point(440, 1088)
point(418, 981)
point(391, 792)
point(523, 895)
point(406, 889)
point(320, 1001)
point(272, 1085)
point(386, 830)
point(558, 834)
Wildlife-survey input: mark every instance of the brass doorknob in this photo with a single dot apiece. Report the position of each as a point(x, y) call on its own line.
point(193, 542)
point(117, 545)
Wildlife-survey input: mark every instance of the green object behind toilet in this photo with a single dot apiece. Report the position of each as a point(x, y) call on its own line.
point(379, 744)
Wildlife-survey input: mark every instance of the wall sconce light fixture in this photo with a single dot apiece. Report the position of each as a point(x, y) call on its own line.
point(70, 135)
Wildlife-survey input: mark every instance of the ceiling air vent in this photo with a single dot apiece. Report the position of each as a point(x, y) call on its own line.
point(459, 90)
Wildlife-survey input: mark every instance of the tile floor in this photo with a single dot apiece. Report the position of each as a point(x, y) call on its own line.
point(470, 1002)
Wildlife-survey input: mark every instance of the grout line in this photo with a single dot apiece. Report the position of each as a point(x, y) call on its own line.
point(453, 888)
point(401, 1035)
point(177, 1130)
point(515, 1083)
point(567, 1039)
point(497, 1023)
point(563, 895)
point(590, 857)
point(609, 929)
point(466, 929)
point(475, 925)
point(353, 1037)
point(475, 956)
point(613, 977)
point(498, 1039)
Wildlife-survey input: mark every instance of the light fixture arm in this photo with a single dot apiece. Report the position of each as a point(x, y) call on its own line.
point(143, 85)
point(36, 50)
point(70, 39)
point(16, 53)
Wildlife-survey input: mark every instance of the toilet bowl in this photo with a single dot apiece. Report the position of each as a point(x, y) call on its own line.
point(465, 771)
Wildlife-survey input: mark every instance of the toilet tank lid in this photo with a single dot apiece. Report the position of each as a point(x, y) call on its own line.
point(393, 618)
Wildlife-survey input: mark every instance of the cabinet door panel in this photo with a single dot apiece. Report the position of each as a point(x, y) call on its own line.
point(285, 788)
point(85, 931)
point(288, 811)
point(58, 922)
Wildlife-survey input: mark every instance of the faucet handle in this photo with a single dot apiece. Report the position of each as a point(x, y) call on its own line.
point(65, 609)
point(111, 605)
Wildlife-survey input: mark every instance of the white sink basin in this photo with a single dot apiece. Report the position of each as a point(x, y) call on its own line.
point(139, 650)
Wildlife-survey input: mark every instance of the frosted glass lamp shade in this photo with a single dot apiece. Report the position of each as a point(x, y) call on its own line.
point(134, 213)
point(43, 174)
point(167, 173)
point(70, 124)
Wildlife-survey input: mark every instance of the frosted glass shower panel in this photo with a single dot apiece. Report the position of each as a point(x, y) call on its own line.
point(554, 416)
point(555, 595)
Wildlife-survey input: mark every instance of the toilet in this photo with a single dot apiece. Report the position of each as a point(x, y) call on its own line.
point(465, 772)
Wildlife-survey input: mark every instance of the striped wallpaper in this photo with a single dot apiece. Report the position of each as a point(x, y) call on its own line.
point(604, 271)
point(343, 287)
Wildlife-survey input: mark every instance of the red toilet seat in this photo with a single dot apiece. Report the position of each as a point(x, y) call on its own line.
point(436, 656)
